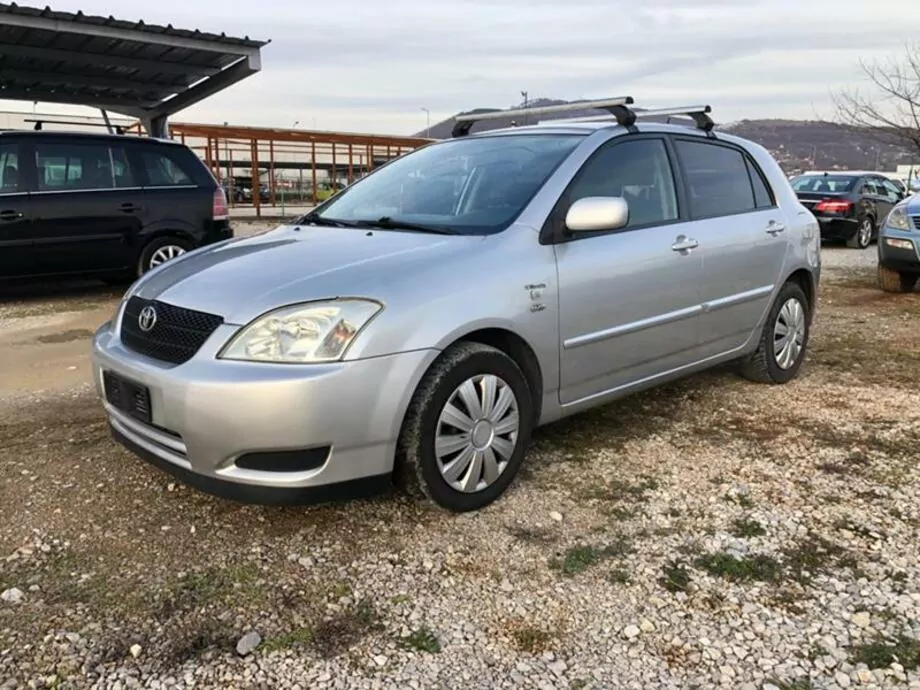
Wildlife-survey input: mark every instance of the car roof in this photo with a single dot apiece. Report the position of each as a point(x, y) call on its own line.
point(92, 136)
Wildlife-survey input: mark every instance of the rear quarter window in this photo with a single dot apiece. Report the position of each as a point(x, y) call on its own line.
point(165, 168)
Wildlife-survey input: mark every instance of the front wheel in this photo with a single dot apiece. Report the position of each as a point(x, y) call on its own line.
point(466, 429)
point(781, 350)
point(893, 281)
point(862, 238)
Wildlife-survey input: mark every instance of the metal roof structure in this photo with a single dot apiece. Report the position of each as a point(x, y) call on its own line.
point(141, 70)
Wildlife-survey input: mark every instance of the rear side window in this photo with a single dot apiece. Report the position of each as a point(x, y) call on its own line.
point(163, 171)
point(717, 179)
point(9, 168)
point(64, 166)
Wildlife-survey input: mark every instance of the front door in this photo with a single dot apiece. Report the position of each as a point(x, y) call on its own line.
point(15, 219)
point(743, 235)
point(86, 207)
point(628, 299)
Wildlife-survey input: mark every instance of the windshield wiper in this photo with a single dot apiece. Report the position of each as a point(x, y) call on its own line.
point(316, 219)
point(389, 223)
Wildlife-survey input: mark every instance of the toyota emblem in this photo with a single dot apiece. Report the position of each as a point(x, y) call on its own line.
point(147, 319)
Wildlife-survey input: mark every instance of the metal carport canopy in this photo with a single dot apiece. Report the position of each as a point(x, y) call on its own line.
point(141, 70)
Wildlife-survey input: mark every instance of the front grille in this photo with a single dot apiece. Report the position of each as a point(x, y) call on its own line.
point(916, 220)
point(177, 333)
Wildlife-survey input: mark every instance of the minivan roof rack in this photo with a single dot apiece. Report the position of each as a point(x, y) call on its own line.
point(463, 123)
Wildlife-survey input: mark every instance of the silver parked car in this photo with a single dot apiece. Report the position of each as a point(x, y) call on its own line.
point(422, 322)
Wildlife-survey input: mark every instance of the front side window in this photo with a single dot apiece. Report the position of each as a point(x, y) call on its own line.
point(9, 168)
point(717, 179)
point(640, 172)
point(73, 166)
point(475, 185)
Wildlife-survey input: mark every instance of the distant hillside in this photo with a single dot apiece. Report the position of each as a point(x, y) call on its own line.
point(797, 144)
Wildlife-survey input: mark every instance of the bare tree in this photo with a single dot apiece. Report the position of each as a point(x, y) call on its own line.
point(890, 107)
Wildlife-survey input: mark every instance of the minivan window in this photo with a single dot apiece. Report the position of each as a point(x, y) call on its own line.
point(163, 171)
point(124, 176)
point(474, 185)
point(9, 168)
point(639, 171)
point(717, 179)
point(73, 166)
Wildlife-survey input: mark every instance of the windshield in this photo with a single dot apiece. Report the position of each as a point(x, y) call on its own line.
point(823, 183)
point(472, 186)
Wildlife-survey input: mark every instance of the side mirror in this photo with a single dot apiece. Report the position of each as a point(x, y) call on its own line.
point(915, 186)
point(597, 214)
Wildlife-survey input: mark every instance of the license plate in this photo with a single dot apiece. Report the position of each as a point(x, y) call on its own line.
point(127, 396)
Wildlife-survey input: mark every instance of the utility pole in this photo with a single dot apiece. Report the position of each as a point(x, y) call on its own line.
point(524, 94)
point(427, 123)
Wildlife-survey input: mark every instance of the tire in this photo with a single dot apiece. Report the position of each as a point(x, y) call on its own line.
point(862, 238)
point(156, 251)
point(894, 281)
point(421, 471)
point(764, 366)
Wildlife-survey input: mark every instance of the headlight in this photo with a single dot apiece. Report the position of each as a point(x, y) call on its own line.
point(897, 219)
point(302, 333)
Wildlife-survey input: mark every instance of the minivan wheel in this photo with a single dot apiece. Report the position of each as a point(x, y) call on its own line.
point(894, 281)
point(464, 435)
point(781, 350)
point(862, 238)
point(159, 251)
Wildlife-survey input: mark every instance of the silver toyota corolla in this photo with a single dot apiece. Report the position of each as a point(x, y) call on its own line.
point(422, 322)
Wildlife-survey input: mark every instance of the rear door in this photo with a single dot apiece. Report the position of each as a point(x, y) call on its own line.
point(86, 206)
point(743, 239)
point(16, 252)
point(176, 196)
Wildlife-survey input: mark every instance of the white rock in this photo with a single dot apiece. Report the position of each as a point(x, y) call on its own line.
point(631, 631)
point(862, 619)
point(248, 643)
point(558, 667)
point(843, 680)
point(135, 650)
point(380, 660)
point(12, 596)
point(555, 515)
point(646, 625)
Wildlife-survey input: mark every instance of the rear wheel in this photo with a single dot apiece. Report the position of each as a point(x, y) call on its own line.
point(159, 251)
point(862, 238)
point(466, 429)
point(781, 351)
point(894, 281)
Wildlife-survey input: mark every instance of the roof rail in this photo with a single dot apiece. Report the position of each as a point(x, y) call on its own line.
point(463, 123)
point(627, 117)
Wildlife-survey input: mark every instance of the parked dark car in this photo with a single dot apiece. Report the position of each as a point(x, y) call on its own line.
point(850, 207)
point(108, 206)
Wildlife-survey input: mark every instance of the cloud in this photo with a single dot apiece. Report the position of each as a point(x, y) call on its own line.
point(372, 66)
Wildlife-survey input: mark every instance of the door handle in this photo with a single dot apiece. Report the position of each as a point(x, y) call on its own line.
point(774, 228)
point(130, 208)
point(684, 244)
point(10, 215)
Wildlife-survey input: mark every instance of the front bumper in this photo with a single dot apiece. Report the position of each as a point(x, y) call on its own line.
point(893, 253)
point(206, 414)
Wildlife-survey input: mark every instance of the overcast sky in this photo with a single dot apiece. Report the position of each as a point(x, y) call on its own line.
point(372, 65)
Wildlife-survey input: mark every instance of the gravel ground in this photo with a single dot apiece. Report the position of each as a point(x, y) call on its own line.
point(712, 533)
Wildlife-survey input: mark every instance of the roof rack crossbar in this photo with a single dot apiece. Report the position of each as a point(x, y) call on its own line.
point(463, 123)
point(627, 116)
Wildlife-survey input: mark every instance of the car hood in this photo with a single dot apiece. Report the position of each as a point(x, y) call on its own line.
point(243, 278)
point(913, 204)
